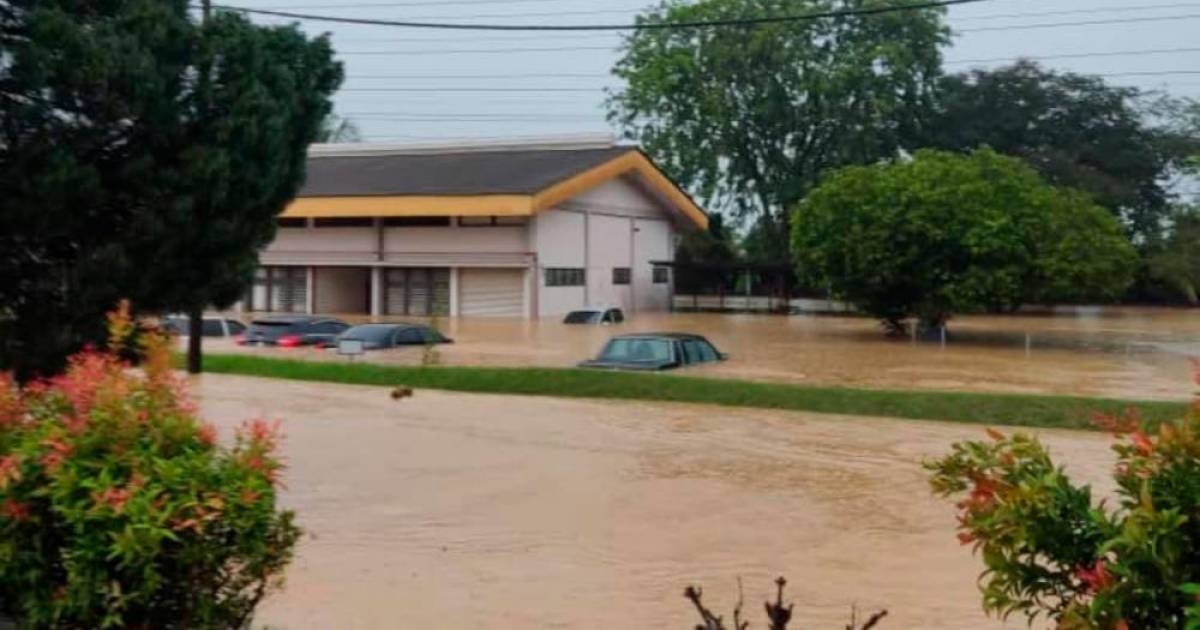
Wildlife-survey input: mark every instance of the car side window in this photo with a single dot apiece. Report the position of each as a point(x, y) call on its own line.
point(617, 315)
point(410, 336)
point(235, 327)
point(607, 318)
point(691, 351)
point(326, 327)
point(707, 352)
point(212, 328)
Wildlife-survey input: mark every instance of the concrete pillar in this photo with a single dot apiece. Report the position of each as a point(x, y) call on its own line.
point(455, 311)
point(376, 292)
point(527, 303)
point(310, 290)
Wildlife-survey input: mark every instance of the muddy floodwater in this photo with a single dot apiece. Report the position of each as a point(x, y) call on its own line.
point(1127, 353)
point(471, 511)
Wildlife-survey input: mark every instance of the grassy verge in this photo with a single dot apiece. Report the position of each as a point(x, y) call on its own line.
point(1009, 409)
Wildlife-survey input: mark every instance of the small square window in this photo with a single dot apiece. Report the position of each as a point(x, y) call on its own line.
point(662, 275)
point(622, 275)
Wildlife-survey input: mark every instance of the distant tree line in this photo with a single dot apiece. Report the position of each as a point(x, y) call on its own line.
point(754, 119)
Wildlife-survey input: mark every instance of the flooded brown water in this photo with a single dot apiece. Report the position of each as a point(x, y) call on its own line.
point(470, 511)
point(1127, 353)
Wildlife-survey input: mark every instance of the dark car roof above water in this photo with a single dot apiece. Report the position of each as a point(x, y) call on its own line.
point(666, 335)
point(288, 319)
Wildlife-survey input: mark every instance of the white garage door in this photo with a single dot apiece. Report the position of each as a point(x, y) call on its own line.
point(492, 292)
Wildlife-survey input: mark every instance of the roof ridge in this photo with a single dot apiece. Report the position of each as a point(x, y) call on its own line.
point(573, 142)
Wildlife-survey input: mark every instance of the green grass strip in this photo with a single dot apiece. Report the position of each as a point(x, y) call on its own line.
point(993, 409)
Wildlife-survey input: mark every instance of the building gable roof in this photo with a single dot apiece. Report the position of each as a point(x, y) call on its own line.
point(501, 182)
point(504, 172)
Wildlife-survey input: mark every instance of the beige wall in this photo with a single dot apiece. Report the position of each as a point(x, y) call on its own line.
point(613, 225)
point(560, 242)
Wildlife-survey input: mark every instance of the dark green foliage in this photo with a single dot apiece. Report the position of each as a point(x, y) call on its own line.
point(750, 118)
point(119, 178)
point(945, 233)
point(1076, 130)
point(1176, 264)
point(1050, 550)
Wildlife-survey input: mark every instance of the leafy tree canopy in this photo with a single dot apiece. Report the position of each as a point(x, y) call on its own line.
point(1076, 130)
point(750, 117)
point(946, 233)
point(1176, 265)
point(142, 155)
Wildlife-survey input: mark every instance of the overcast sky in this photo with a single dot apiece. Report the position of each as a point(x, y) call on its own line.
point(414, 84)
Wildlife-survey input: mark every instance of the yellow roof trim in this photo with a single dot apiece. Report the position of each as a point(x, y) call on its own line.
point(410, 206)
point(632, 162)
point(498, 205)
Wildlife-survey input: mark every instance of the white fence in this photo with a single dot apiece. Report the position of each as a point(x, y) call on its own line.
point(758, 304)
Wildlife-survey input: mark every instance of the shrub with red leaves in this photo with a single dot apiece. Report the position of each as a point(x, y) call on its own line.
point(118, 508)
point(1050, 550)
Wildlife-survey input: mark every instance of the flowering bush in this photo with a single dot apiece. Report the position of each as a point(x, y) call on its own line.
point(1050, 549)
point(119, 508)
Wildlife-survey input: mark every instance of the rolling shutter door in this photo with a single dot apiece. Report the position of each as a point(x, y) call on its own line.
point(492, 292)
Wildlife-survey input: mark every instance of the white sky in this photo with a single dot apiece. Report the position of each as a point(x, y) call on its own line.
point(430, 87)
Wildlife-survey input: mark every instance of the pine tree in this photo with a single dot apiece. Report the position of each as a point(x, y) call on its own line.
point(118, 178)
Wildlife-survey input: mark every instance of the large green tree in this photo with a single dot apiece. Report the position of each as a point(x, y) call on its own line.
point(945, 233)
point(750, 117)
point(1175, 265)
point(1076, 130)
point(262, 97)
point(142, 155)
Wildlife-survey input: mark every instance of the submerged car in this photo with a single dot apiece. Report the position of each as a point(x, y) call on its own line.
point(290, 331)
point(380, 336)
point(595, 316)
point(654, 351)
point(211, 326)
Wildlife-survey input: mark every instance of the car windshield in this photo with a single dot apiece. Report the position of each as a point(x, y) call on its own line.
point(378, 334)
point(582, 317)
point(637, 350)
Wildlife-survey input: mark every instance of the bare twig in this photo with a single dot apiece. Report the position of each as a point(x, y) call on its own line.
point(871, 621)
point(738, 624)
point(711, 621)
point(777, 613)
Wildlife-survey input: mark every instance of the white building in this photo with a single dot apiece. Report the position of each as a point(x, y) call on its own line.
point(524, 229)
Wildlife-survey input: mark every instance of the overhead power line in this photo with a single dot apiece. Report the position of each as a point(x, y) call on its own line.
point(481, 77)
point(603, 75)
point(541, 90)
point(474, 51)
point(1122, 53)
point(605, 27)
point(420, 3)
point(1021, 27)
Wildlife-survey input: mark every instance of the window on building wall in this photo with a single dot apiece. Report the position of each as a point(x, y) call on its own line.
point(662, 275)
point(291, 222)
point(416, 222)
point(565, 277)
point(344, 222)
point(622, 275)
point(492, 221)
point(279, 290)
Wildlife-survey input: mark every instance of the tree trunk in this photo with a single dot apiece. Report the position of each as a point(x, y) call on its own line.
point(195, 336)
